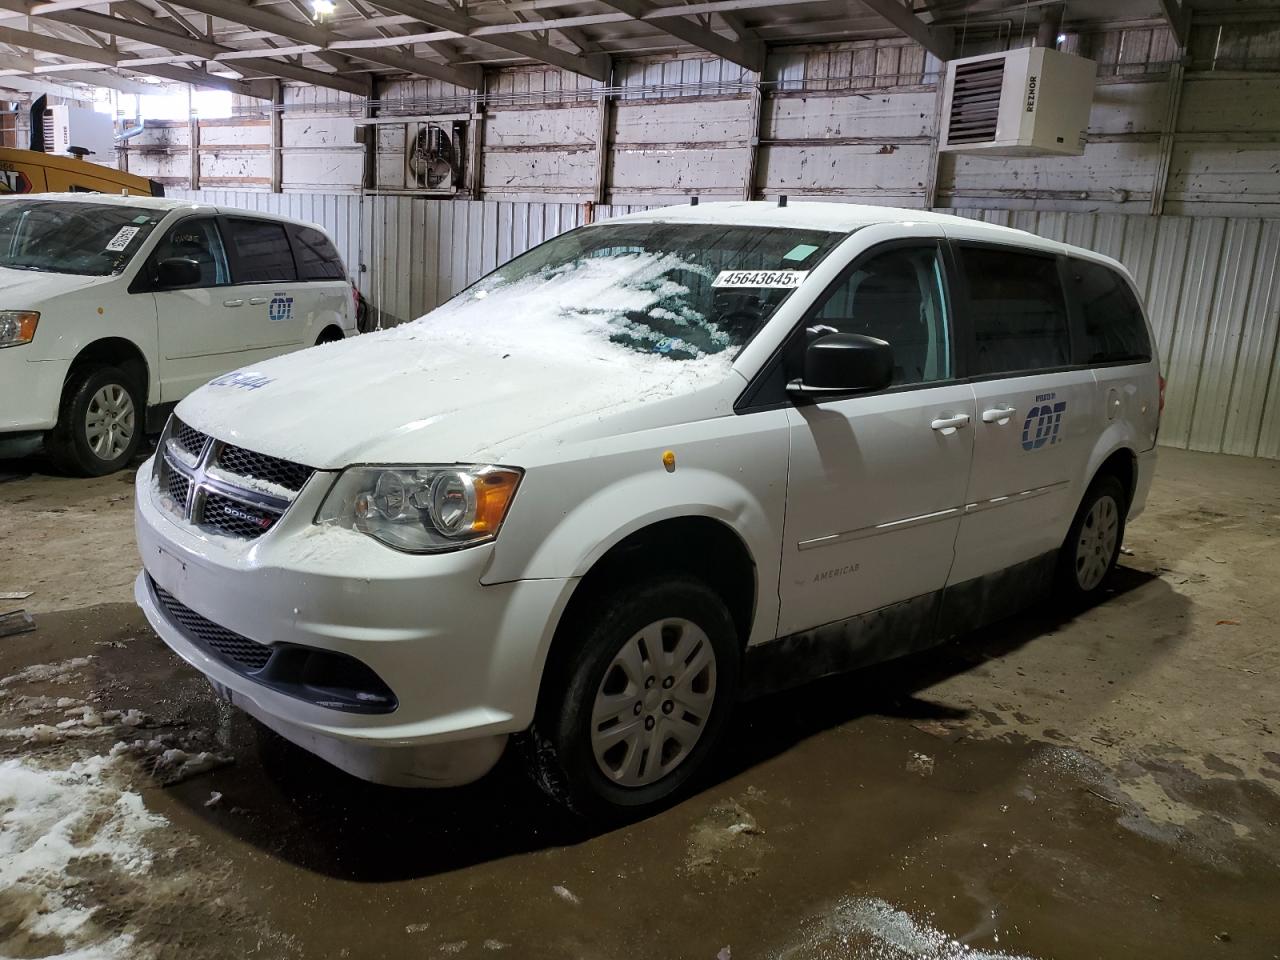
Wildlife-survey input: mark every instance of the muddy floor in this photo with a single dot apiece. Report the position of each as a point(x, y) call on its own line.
point(1103, 786)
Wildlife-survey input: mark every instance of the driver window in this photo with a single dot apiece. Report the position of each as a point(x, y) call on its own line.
point(896, 296)
point(197, 239)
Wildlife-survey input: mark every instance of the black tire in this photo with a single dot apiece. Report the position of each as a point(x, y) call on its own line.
point(558, 749)
point(1082, 555)
point(69, 443)
point(329, 335)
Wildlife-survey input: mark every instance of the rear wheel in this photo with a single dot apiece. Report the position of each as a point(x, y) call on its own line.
point(99, 424)
point(1092, 547)
point(634, 709)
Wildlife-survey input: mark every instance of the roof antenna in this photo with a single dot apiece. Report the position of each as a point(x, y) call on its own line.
point(693, 201)
point(782, 200)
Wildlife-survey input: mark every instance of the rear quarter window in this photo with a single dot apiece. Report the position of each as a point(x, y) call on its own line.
point(1115, 331)
point(317, 258)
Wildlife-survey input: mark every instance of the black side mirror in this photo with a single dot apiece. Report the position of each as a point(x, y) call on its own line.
point(844, 363)
point(174, 272)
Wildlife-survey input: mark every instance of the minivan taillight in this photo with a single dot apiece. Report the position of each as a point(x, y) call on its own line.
point(1162, 383)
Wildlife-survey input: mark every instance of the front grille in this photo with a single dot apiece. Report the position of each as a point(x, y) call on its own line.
point(237, 492)
point(177, 486)
point(206, 634)
point(188, 438)
point(231, 518)
point(258, 466)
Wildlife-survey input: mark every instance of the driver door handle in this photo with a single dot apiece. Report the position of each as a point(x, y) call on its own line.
point(233, 303)
point(951, 424)
point(998, 415)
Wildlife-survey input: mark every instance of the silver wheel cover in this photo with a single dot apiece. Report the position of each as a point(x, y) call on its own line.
point(654, 702)
point(1097, 542)
point(109, 422)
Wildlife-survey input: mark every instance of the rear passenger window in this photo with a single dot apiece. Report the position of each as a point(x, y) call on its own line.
point(262, 253)
point(1114, 328)
point(1018, 313)
point(317, 260)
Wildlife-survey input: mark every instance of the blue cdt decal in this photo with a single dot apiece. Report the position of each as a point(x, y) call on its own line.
point(1043, 423)
point(242, 379)
point(280, 308)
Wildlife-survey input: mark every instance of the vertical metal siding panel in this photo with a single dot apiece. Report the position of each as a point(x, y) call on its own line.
point(418, 276)
point(1203, 261)
point(1108, 233)
point(489, 253)
point(443, 254)
point(1079, 229)
point(428, 264)
point(1218, 359)
point(405, 307)
point(475, 241)
point(1256, 369)
point(506, 230)
point(457, 241)
point(1137, 250)
point(1164, 287)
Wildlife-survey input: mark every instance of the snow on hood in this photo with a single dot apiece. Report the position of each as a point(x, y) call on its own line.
point(479, 379)
point(28, 289)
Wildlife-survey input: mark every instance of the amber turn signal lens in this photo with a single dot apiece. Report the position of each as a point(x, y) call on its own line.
point(494, 491)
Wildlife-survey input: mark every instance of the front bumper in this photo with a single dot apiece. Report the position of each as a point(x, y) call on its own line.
point(30, 391)
point(463, 659)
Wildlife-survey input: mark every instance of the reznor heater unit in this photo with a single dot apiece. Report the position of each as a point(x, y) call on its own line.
point(1024, 103)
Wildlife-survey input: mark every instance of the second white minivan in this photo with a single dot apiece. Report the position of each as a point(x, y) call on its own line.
point(114, 308)
point(643, 470)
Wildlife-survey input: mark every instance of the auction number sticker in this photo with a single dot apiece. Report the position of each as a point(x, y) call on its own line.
point(761, 279)
point(122, 238)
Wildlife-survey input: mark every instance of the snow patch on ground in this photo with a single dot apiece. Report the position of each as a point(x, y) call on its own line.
point(871, 928)
point(46, 672)
point(55, 824)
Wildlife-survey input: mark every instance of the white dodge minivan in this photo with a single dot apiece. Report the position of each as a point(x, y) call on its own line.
point(113, 308)
point(650, 467)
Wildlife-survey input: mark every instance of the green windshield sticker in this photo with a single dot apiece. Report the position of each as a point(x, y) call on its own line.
point(800, 251)
point(142, 219)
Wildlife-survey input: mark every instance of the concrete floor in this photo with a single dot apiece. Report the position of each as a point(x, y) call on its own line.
point(1104, 786)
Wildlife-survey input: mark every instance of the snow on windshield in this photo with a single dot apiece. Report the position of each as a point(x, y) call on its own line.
point(595, 309)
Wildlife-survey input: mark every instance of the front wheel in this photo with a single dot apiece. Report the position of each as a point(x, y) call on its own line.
point(99, 425)
point(1092, 547)
point(633, 710)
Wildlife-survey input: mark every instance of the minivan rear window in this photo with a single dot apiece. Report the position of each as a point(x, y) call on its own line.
point(1017, 311)
point(262, 253)
point(1114, 327)
point(317, 260)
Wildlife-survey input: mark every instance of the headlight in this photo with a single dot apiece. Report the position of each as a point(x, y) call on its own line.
point(427, 509)
point(17, 327)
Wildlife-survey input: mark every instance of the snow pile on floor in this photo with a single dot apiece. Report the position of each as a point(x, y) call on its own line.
point(46, 672)
point(871, 928)
point(57, 828)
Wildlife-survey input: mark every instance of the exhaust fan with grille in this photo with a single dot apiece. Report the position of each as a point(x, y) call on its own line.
point(1023, 103)
point(434, 157)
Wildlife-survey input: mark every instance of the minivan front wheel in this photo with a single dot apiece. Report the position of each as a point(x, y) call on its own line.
point(1092, 547)
point(99, 424)
point(640, 702)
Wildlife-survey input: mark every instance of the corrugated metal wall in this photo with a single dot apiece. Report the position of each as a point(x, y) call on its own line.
point(1211, 284)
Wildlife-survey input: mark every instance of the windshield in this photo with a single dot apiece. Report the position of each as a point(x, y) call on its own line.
point(57, 236)
point(679, 291)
